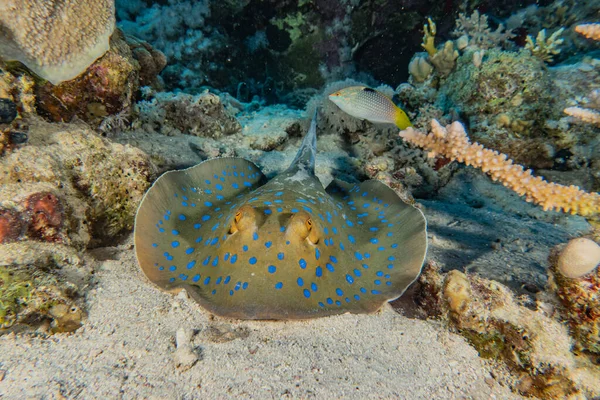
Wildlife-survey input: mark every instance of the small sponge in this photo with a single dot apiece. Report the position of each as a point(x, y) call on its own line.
point(579, 257)
point(56, 39)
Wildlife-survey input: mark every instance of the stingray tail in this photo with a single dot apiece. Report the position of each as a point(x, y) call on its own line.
point(305, 159)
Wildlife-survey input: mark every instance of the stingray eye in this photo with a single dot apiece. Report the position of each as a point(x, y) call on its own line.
point(302, 227)
point(244, 219)
point(309, 224)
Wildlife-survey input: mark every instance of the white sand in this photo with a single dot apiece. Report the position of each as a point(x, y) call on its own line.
point(126, 350)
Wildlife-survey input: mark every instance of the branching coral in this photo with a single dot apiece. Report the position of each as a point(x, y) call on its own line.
point(590, 31)
point(56, 39)
point(452, 142)
point(542, 48)
point(480, 34)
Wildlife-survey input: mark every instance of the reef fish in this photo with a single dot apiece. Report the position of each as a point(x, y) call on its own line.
point(366, 103)
point(246, 247)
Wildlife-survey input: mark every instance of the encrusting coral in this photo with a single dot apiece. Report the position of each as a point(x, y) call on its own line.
point(79, 34)
point(590, 31)
point(453, 143)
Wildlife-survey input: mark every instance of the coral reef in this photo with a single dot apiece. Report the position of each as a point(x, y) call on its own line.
point(575, 279)
point(39, 287)
point(452, 142)
point(79, 34)
point(536, 348)
point(173, 114)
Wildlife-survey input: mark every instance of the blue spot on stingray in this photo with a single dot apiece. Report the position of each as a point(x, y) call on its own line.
point(302, 263)
point(279, 209)
point(381, 248)
point(219, 186)
point(379, 273)
point(226, 257)
point(215, 261)
point(307, 209)
point(306, 293)
point(184, 203)
point(329, 267)
point(214, 241)
point(196, 278)
point(358, 256)
point(335, 231)
point(365, 266)
point(364, 194)
point(214, 228)
point(175, 232)
point(268, 244)
point(245, 285)
point(208, 191)
point(357, 272)
point(373, 240)
point(294, 210)
point(227, 279)
point(245, 248)
point(338, 303)
point(231, 292)
point(356, 297)
point(390, 266)
point(375, 291)
point(247, 184)
point(235, 186)
point(255, 236)
point(319, 272)
point(351, 239)
point(272, 269)
point(333, 259)
point(300, 282)
point(280, 256)
point(317, 253)
point(171, 279)
point(220, 197)
point(172, 268)
point(154, 244)
point(208, 204)
point(198, 239)
point(161, 230)
point(175, 244)
point(366, 205)
point(191, 264)
point(278, 201)
point(206, 260)
point(313, 287)
point(363, 290)
point(252, 260)
point(205, 217)
point(233, 259)
point(207, 280)
point(350, 279)
point(389, 234)
point(278, 193)
point(395, 245)
point(237, 286)
point(342, 246)
point(329, 300)
point(219, 279)
point(391, 258)
point(278, 285)
point(339, 292)
point(182, 217)
point(321, 304)
point(367, 255)
point(377, 282)
point(197, 226)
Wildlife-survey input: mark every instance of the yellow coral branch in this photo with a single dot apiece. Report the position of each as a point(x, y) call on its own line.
point(584, 114)
point(452, 142)
point(429, 32)
point(590, 31)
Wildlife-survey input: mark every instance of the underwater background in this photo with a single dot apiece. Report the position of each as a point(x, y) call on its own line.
point(99, 98)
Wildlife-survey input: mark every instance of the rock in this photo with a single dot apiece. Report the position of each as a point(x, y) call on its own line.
point(8, 111)
point(184, 357)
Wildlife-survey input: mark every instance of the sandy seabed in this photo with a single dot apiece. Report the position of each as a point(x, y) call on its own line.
point(126, 349)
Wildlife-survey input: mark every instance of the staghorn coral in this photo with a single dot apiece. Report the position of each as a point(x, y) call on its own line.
point(452, 142)
point(545, 48)
point(590, 31)
point(79, 34)
point(584, 114)
point(479, 33)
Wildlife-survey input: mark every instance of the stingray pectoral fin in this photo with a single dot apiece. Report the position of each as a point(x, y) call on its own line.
point(388, 238)
point(178, 219)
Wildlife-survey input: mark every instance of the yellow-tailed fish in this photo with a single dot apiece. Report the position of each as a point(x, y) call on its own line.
point(366, 103)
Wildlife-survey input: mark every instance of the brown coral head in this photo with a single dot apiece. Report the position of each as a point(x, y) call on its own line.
point(11, 226)
point(46, 216)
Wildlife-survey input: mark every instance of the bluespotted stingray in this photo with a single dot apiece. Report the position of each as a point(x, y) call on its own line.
point(246, 247)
